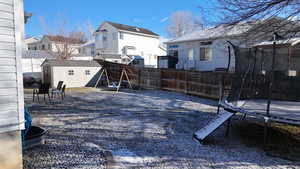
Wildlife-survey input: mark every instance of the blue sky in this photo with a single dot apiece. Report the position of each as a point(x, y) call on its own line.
point(151, 14)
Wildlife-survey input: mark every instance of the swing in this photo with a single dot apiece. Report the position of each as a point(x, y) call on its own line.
point(114, 85)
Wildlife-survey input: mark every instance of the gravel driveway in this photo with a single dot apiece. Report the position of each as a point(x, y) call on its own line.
point(137, 129)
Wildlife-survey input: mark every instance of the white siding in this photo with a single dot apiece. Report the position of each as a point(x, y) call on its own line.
point(145, 45)
point(79, 79)
point(219, 58)
point(11, 86)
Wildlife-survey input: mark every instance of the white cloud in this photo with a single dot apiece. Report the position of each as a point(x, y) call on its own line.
point(164, 19)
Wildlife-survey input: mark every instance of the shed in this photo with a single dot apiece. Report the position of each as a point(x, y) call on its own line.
point(74, 73)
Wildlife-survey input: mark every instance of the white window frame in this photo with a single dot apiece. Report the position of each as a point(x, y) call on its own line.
point(87, 72)
point(71, 72)
point(207, 51)
point(121, 35)
point(191, 54)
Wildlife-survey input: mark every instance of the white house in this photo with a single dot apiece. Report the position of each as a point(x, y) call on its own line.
point(30, 40)
point(74, 73)
point(113, 39)
point(86, 51)
point(11, 83)
point(55, 43)
point(208, 49)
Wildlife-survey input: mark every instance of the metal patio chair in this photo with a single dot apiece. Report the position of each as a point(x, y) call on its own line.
point(42, 90)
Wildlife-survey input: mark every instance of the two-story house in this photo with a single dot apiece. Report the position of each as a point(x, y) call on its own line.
point(113, 41)
point(56, 44)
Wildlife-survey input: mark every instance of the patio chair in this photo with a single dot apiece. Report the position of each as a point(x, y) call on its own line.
point(63, 93)
point(43, 89)
point(57, 90)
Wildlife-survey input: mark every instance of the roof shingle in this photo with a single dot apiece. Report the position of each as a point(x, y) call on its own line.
point(130, 29)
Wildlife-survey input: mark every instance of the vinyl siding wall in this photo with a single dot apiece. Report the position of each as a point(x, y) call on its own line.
point(11, 85)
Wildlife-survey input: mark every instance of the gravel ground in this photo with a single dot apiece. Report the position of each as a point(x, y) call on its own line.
point(138, 129)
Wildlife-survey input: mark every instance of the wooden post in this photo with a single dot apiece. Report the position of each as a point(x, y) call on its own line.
point(186, 82)
point(139, 78)
point(160, 79)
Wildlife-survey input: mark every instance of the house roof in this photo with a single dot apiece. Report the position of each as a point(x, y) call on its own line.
point(292, 42)
point(31, 40)
point(58, 38)
point(129, 28)
point(71, 63)
point(110, 56)
point(255, 29)
point(38, 54)
point(90, 43)
point(215, 32)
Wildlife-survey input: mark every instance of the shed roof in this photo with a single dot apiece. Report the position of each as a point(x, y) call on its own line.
point(38, 54)
point(129, 28)
point(71, 63)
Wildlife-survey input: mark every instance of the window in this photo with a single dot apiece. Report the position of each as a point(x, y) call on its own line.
point(71, 72)
point(121, 35)
point(191, 54)
point(87, 72)
point(98, 37)
point(93, 51)
point(205, 54)
point(104, 38)
point(49, 46)
point(43, 47)
point(115, 36)
point(173, 53)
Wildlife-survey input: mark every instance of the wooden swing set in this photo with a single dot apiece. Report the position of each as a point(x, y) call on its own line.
point(113, 85)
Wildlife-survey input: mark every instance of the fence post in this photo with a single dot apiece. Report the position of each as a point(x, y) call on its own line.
point(186, 82)
point(139, 78)
point(160, 79)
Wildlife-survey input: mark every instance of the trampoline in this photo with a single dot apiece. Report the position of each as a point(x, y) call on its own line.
point(256, 90)
point(253, 85)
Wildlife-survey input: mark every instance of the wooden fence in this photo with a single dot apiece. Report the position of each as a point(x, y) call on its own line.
point(204, 84)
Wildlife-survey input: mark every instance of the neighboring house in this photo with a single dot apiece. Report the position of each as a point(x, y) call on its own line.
point(287, 56)
point(56, 43)
point(208, 49)
point(30, 40)
point(11, 83)
point(128, 41)
point(74, 73)
point(86, 51)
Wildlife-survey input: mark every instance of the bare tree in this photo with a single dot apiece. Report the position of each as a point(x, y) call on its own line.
point(268, 16)
point(183, 22)
point(66, 41)
point(244, 10)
